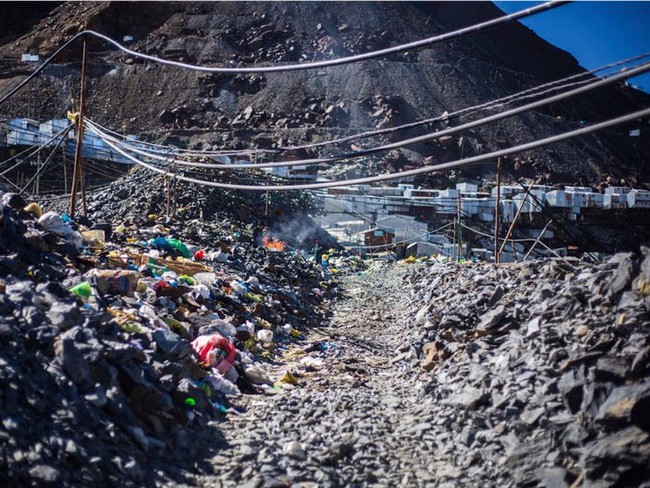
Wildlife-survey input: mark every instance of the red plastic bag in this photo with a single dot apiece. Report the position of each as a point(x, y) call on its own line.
point(215, 350)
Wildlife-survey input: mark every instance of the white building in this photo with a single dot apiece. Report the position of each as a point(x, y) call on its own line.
point(614, 201)
point(578, 189)
point(404, 227)
point(22, 132)
point(507, 191)
point(507, 210)
point(467, 189)
point(559, 198)
point(532, 203)
point(619, 190)
point(638, 199)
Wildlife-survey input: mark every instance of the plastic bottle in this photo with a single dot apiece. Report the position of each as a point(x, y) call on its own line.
point(82, 289)
point(219, 383)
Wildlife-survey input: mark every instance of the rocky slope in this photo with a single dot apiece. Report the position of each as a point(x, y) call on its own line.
point(101, 382)
point(272, 110)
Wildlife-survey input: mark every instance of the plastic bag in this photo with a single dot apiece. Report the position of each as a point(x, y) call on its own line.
point(52, 222)
point(215, 350)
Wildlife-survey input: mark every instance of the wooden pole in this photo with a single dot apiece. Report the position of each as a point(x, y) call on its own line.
point(266, 211)
point(541, 234)
point(78, 169)
point(65, 173)
point(37, 184)
point(453, 246)
point(460, 235)
point(169, 194)
point(514, 221)
point(496, 213)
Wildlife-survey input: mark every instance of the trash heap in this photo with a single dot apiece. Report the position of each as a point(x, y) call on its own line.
point(124, 346)
point(539, 372)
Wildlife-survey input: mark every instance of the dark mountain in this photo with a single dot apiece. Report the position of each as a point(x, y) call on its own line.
point(270, 110)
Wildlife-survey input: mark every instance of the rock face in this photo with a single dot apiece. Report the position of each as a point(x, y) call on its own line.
point(281, 109)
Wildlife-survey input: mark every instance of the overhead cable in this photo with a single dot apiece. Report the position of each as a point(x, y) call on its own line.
point(405, 142)
point(345, 60)
point(293, 67)
point(11, 92)
point(45, 163)
point(402, 174)
point(524, 94)
point(33, 153)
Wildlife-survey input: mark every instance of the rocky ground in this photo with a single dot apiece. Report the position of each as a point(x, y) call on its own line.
point(523, 375)
point(414, 373)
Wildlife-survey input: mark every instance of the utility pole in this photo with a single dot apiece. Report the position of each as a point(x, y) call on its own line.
point(65, 172)
point(460, 235)
point(266, 210)
point(514, 221)
point(37, 185)
point(496, 213)
point(169, 194)
point(78, 161)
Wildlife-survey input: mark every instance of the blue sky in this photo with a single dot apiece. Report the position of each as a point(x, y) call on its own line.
point(596, 33)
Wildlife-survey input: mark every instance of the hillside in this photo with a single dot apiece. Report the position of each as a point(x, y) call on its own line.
point(276, 109)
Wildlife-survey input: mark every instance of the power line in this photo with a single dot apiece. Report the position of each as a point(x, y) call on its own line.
point(394, 176)
point(345, 60)
point(42, 168)
point(293, 67)
point(524, 94)
point(36, 151)
point(386, 147)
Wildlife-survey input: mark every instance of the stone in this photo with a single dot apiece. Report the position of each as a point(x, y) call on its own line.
point(533, 327)
point(612, 369)
point(73, 361)
point(622, 276)
point(64, 315)
point(618, 407)
point(570, 386)
point(491, 319)
point(45, 474)
point(294, 450)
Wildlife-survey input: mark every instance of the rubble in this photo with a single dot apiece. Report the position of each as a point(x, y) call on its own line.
point(543, 351)
point(104, 371)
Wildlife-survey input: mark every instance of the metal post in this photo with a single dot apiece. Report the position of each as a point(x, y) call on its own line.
point(496, 213)
point(169, 194)
point(266, 211)
point(78, 170)
point(65, 173)
point(453, 245)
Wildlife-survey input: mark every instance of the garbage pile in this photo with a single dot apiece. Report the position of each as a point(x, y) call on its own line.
point(124, 344)
point(540, 371)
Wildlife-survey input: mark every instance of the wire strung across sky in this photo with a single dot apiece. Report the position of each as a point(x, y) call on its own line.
point(33, 153)
point(490, 105)
point(42, 167)
point(339, 61)
point(623, 74)
point(402, 174)
point(292, 67)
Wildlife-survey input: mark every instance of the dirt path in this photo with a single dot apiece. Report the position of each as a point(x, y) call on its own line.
point(358, 418)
